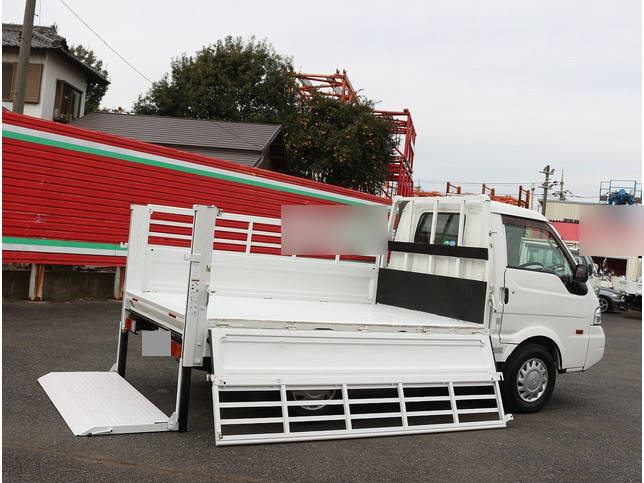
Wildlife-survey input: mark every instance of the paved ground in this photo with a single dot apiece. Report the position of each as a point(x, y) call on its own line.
point(590, 431)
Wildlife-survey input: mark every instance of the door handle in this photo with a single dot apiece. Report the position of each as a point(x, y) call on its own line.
point(506, 295)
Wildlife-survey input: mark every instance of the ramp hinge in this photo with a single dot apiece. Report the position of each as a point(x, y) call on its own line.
point(173, 422)
point(291, 325)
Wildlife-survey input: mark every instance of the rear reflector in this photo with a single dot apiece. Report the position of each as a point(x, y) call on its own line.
point(130, 324)
point(579, 331)
point(175, 349)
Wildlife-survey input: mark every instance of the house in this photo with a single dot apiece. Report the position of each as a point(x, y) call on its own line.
point(56, 80)
point(250, 144)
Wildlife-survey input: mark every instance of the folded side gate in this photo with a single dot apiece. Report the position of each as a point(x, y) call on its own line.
point(290, 385)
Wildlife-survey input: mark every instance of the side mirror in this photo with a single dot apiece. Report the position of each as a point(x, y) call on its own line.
point(581, 273)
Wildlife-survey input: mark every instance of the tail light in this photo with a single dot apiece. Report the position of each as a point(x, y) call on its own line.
point(175, 349)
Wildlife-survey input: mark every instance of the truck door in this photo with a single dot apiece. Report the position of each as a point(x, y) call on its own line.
point(540, 293)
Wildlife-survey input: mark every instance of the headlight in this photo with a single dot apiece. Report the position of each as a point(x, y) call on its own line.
point(597, 318)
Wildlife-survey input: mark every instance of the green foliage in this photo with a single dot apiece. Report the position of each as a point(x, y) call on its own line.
point(230, 80)
point(95, 90)
point(340, 144)
point(233, 80)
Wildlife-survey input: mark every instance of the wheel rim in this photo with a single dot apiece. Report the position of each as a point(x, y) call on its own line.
point(532, 380)
point(603, 304)
point(324, 395)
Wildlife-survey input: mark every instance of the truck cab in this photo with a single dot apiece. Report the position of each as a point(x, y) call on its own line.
point(543, 316)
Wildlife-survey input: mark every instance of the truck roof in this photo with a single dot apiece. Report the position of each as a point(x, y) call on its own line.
point(495, 206)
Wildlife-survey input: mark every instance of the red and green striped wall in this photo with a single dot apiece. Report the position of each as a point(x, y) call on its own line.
point(67, 191)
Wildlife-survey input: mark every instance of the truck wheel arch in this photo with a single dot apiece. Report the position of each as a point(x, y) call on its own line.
point(544, 341)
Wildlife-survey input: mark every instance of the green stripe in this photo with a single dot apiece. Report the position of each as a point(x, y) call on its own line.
point(160, 164)
point(77, 244)
point(61, 243)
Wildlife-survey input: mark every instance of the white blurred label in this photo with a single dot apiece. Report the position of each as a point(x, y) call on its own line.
point(611, 230)
point(334, 230)
point(155, 343)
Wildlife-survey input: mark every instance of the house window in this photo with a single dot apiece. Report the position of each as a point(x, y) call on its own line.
point(67, 103)
point(34, 76)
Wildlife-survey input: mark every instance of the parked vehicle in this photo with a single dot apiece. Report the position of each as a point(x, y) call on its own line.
point(630, 285)
point(611, 300)
point(472, 292)
point(594, 277)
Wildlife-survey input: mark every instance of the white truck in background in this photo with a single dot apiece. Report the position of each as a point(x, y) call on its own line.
point(630, 284)
point(473, 292)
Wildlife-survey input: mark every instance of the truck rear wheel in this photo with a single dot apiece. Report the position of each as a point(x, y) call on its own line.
point(313, 409)
point(528, 378)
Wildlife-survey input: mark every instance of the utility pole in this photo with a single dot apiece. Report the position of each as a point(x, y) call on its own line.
point(23, 57)
point(546, 185)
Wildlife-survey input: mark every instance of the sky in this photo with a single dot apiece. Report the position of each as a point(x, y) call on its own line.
point(497, 89)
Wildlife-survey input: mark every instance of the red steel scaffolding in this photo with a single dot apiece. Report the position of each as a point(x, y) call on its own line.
point(399, 180)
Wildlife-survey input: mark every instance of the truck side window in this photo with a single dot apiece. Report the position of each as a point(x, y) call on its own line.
point(446, 229)
point(531, 246)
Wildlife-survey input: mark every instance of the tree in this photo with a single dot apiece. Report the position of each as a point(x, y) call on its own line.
point(324, 139)
point(229, 80)
point(95, 90)
point(342, 144)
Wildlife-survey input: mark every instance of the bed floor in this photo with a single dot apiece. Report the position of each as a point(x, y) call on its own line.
point(231, 308)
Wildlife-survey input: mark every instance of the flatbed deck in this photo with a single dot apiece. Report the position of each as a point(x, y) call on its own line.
point(168, 309)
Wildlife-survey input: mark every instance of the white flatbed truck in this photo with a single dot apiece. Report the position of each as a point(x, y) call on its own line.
point(303, 348)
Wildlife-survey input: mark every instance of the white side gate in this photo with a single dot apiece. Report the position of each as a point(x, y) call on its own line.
point(373, 384)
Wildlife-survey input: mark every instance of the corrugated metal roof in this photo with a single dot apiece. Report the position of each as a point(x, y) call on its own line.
point(48, 39)
point(178, 131)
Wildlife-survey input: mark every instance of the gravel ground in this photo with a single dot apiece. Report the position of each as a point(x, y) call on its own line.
point(590, 431)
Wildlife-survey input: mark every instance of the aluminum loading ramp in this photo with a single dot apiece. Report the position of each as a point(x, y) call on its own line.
point(93, 403)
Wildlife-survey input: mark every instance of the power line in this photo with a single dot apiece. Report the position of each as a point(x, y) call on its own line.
point(139, 72)
point(105, 42)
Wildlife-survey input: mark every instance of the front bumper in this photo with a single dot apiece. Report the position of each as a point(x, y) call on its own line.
point(619, 304)
point(596, 345)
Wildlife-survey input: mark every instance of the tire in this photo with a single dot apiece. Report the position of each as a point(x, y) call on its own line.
point(316, 410)
point(528, 379)
point(605, 304)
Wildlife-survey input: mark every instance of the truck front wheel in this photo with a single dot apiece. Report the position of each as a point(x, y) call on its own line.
point(528, 378)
